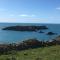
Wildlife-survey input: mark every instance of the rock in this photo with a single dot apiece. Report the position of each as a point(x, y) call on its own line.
point(51, 33)
point(55, 41)
point(30, 43)
point(57, 38)
point(25, 28)
point(41, 32)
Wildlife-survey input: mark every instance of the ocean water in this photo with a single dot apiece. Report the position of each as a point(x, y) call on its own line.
point(7, 36)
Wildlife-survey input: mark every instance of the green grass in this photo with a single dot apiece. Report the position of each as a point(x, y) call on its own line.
point(46, 53)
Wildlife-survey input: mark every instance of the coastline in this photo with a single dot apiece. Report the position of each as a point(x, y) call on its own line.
point(28, 44)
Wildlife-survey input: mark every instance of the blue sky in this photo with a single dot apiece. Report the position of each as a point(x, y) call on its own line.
point(30, 11)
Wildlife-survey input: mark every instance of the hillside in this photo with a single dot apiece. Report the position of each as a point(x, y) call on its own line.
point(44, 53)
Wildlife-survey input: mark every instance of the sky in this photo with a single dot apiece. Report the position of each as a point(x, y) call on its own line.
point(30, 11)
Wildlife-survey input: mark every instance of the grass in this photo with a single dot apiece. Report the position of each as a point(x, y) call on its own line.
point(46, 53)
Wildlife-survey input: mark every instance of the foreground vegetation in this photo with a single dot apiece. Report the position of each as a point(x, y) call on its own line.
point(45, 53)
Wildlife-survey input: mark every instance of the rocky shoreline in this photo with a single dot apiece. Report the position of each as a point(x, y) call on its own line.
point(28, 44)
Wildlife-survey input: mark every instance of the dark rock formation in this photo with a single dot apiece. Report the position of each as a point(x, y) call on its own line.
point(51, 33)
point(31, 43)
point(25, 28)
point(57, 40)
point(41, 32)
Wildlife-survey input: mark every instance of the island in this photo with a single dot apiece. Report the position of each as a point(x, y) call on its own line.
point(25, 28)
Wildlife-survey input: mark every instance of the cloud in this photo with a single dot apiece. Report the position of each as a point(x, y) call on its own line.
point(26, 15)
point(58, 8)
point(23, 15)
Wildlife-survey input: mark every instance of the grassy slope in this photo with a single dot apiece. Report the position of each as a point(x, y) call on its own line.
point(46, 53)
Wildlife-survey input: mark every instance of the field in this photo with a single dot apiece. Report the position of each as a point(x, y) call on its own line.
point(45, 53)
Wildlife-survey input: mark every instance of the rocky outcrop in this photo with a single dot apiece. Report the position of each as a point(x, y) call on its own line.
point(51, 33)
point(25, 28)
point(57, 40)
point(31, 43)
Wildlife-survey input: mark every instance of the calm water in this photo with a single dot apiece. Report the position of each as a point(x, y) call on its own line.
point(17, 36)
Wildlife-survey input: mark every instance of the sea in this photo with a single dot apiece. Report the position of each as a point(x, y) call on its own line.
point(8, 36)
